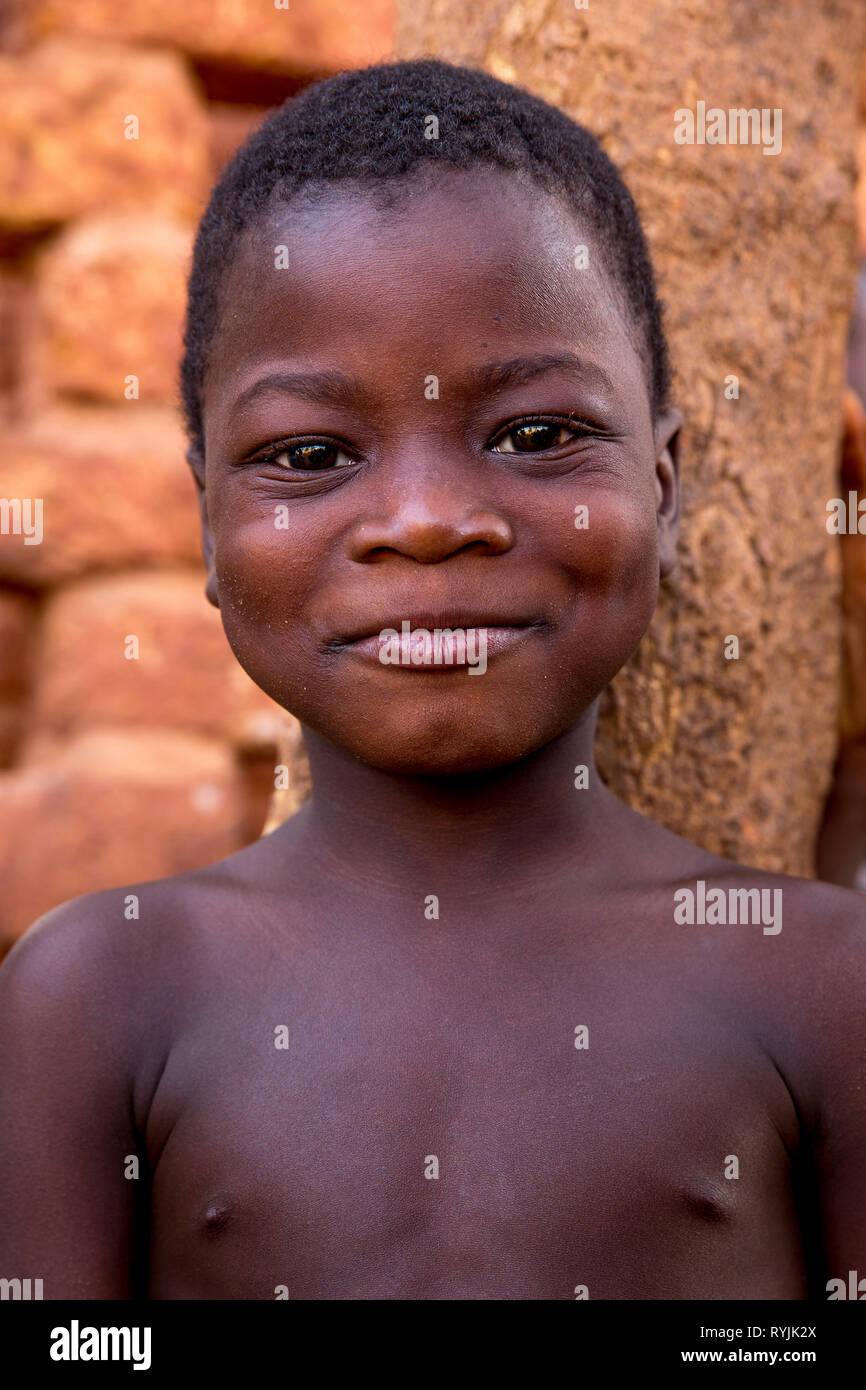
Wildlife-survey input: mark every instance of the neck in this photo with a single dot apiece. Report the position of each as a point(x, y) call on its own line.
point(507, 826)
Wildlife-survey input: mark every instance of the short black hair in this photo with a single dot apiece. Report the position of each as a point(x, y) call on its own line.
point(367, 128)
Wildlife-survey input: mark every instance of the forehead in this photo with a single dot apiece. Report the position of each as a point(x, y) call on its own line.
point(452, 263)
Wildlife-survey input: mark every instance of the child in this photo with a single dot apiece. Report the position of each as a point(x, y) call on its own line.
point(466, 1027)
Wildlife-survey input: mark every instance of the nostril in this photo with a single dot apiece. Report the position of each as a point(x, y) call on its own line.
point(430, 538)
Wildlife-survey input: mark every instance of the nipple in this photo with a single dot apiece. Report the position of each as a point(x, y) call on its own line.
point(216, 1217)
point(708, 1201)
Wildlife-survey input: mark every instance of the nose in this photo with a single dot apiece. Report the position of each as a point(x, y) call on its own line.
point(428, 517)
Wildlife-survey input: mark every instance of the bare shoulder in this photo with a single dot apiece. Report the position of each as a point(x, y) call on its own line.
point(788, 953)
point(91, 1002)
point(821, 969)
point(103, 936)
point(818, 922)
point(116, 966)
point(796, 949)
point(818, 930)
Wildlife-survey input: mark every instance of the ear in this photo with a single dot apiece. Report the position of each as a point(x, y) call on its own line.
point(196, 463)
point(667, 446)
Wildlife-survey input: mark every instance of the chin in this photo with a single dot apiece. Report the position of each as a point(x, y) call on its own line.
point(437, 763)
point(440, 749)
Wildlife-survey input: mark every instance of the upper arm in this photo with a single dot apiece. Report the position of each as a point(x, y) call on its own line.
point(67, 1209)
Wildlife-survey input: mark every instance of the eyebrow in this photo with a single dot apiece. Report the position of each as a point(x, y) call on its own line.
point(328, 387)
point(334, 388)
point(496, 376)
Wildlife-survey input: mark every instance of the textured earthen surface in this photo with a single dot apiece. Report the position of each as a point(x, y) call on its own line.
point(144, 650)
point(112, 807)
point(755, 255)
point(279, 35)
point(112, 292)
point(115, 488)
point(16, 652)
point(68, 146)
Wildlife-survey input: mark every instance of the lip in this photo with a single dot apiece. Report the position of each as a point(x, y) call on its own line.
point(453, 618)
point(483, 640)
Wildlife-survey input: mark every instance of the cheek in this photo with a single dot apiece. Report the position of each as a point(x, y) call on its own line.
point(612, 578)
point(264, 580)
point(612, 549)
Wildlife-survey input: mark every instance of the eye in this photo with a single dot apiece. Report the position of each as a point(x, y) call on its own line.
point(535, 436)
point(307, 456)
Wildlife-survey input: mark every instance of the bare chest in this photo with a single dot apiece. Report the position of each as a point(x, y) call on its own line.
point(554, 1145)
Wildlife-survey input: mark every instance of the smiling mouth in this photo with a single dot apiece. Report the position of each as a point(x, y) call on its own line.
point(440, 648)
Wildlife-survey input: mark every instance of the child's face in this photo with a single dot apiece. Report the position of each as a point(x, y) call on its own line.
point(427, 503)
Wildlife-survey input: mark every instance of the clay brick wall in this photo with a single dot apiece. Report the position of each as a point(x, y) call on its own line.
point(132, 745)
